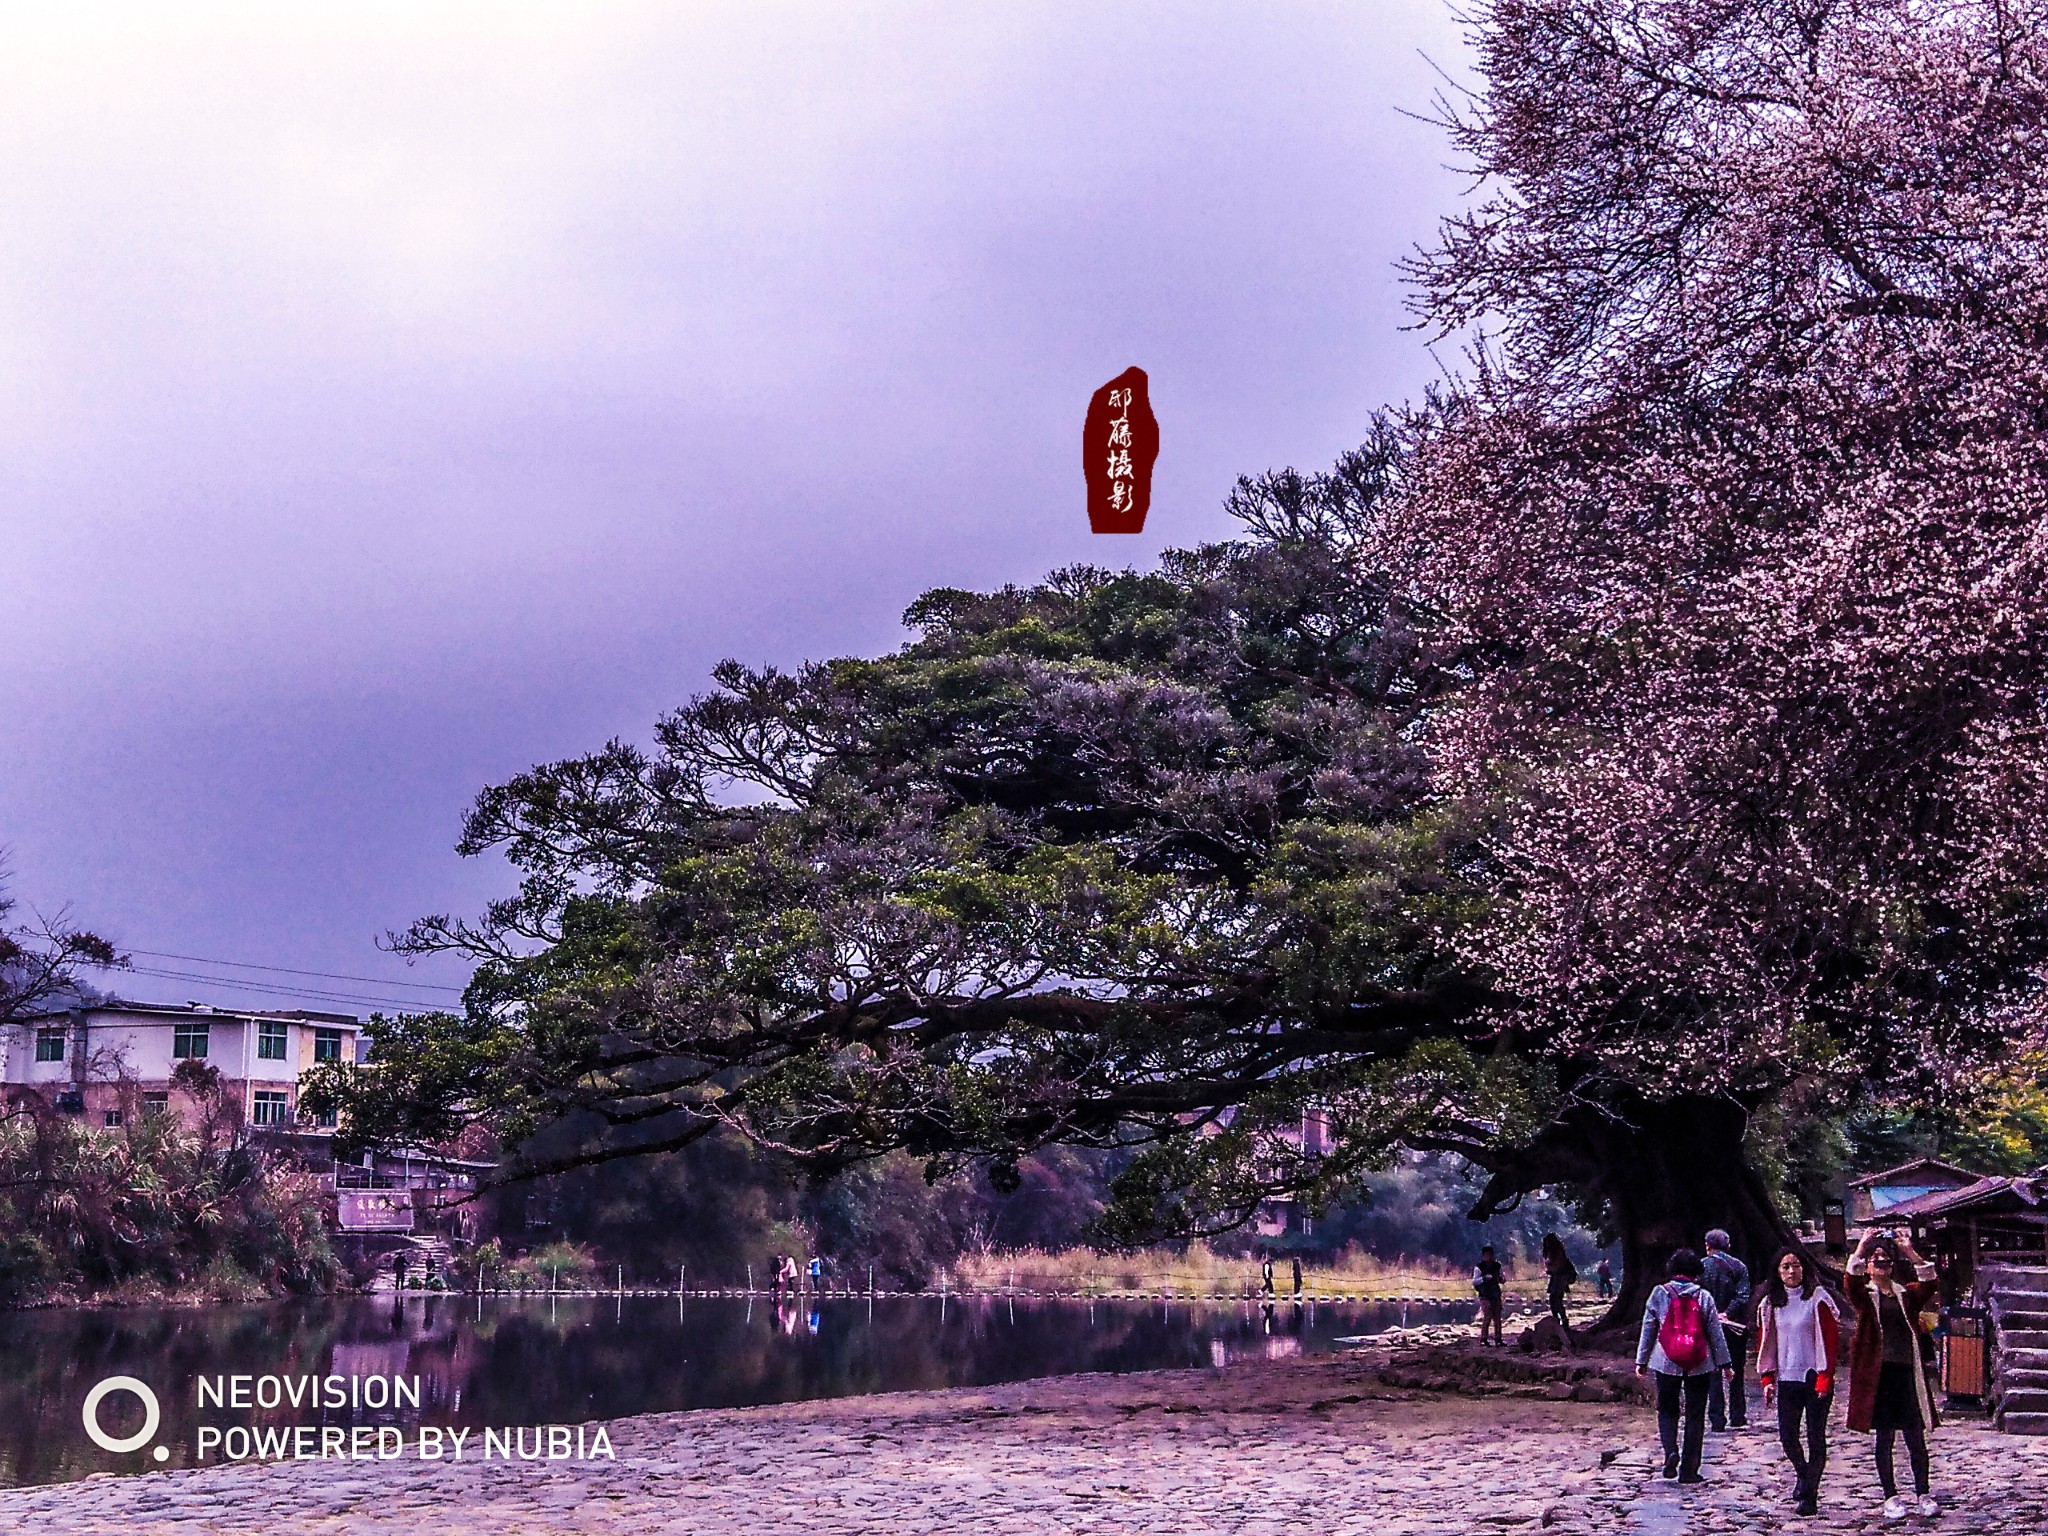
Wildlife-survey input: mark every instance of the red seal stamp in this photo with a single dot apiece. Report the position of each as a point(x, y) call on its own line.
point(1119, 443)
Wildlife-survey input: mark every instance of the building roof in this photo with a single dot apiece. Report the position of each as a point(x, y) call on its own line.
point(1918, 1171)
point(2027, 1189)
point(199, 1010)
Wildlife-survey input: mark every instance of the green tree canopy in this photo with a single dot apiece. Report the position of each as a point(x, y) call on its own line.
point(1110, 860)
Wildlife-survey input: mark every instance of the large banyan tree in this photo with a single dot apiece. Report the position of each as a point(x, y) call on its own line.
point(1649, 724)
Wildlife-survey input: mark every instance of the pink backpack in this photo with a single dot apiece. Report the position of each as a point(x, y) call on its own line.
point(1683, 1335)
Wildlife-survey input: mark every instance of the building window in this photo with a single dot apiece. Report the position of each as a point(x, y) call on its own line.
point(326, 1119)
point(155, 1104)
point(327, 1045)
point(49, 1045)
point(189, 1041)
point(270, 1040)
point(270, 1108)
point(112, 1118)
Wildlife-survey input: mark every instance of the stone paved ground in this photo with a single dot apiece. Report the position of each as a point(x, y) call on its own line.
point(1316, 1447)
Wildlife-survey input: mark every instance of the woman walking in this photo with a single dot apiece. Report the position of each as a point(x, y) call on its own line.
point(1683, 1345)
point(1798, 1342)
point(1557, 1265)
point(1888, 1390)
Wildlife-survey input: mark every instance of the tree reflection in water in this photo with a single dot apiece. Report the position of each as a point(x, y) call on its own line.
point(555, 1359)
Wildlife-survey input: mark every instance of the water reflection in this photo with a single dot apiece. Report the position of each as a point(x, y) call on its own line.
point(485, 1361)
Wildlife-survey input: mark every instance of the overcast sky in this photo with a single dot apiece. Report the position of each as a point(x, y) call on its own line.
point(395, 396)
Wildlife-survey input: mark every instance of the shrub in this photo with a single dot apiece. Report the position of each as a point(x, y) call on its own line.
point(150, 1208)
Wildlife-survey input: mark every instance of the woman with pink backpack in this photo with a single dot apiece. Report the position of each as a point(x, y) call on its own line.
point(1683, 1346)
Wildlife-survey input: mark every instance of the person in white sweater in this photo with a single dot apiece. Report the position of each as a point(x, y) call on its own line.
point(1798, 1348)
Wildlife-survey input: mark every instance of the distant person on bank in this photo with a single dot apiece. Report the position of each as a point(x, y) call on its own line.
point(1297, 1274)
point(1727, 1280)
point(1486, 1281)
point(1266, 1272)
point(1683, 1346)
point(1798, 1347)
point(1888, 1389)
point(1604, 1273)
point(1562, 1275)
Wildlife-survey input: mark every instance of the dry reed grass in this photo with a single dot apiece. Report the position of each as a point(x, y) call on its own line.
point(1198, 1270)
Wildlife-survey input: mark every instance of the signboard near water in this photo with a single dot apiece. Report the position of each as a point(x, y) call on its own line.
point(373, 1210)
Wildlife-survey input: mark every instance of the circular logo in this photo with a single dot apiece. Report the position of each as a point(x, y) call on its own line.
point(151, 1414)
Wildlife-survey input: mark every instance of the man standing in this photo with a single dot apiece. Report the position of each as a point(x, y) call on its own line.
point(1486, 1281)
point(1726, 1278)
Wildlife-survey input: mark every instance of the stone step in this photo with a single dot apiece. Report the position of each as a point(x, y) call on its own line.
point(2028, 1300)
point(2024, 1423)
point(2023, 1360)
point(2022, 1338)
point(2027, 1400)
point(2010, 1322)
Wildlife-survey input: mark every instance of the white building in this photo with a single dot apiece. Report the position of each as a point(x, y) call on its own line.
point(112, 1059)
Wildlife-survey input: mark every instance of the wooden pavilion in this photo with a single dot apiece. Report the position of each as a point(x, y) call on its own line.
point(1987, 1225)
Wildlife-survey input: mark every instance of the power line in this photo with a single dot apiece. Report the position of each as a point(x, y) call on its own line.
point(286, 970)
point(269, 990)
point(274, 990)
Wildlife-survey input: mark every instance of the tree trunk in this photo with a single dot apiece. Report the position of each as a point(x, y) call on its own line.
point(1665, 1171)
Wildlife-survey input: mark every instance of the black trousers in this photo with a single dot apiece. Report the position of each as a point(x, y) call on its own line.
point(1898, 1413)
point(1691, 1391)
point(1731, 1407)
point(1800, 1406)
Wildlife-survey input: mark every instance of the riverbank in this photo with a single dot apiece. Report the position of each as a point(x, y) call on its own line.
point(206, 1292)
point(1330, 1291)
point(1322, 1444)
point(1195, 1269)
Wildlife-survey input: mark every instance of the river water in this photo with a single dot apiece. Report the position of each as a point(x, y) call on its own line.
point(498, 1361)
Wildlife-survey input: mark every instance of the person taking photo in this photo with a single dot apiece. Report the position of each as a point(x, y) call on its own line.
point(1888, 1284)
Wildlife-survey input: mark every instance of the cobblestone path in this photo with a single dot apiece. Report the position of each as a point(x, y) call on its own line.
point(1307, 1448)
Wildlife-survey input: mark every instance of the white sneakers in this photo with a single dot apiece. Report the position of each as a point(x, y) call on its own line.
point(1898, 1506)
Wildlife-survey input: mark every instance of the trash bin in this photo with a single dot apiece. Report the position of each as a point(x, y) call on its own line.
point(1962, 1354)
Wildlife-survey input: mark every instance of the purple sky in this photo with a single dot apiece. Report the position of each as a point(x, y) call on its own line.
point(391, 401)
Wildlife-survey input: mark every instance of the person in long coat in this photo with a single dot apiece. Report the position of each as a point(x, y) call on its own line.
point(1888, 1388)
